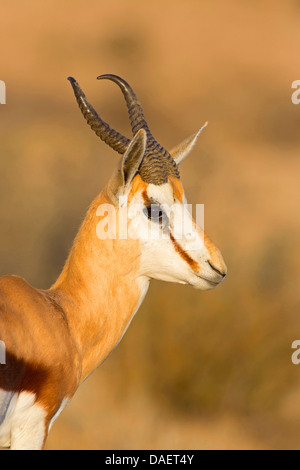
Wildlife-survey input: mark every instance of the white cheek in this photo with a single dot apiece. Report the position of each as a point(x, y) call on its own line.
point(160, 261)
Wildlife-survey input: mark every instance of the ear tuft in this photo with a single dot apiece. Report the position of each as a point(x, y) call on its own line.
point(181, 151)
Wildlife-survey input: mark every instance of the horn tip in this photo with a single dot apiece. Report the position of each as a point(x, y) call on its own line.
point(113, 78)
point(202, 128)
point(73, 82)
point(105, 75)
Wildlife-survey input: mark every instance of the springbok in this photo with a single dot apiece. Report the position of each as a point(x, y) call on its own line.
point(54, 339)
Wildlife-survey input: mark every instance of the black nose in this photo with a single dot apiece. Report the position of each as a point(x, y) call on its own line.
point(217, 270)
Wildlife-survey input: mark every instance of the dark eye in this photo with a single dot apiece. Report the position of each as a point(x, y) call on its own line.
point(155, 213)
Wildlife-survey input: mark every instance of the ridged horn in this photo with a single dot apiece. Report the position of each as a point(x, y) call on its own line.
point(138, 121)
point(111, 137)
point(135, 110)
point(157, 163)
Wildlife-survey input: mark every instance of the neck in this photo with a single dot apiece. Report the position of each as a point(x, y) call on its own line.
point(99, 290)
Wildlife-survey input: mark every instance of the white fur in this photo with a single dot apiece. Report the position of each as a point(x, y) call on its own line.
point(23, 424)
point(162, 194)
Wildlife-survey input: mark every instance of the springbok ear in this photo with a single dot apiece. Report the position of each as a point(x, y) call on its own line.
point(182, 150)
point(133, 157)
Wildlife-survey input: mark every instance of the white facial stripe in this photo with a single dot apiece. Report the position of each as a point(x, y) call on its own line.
point(162, 194)
point(185, 230)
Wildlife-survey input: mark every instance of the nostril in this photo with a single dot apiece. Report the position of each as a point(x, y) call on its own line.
point(216, 269)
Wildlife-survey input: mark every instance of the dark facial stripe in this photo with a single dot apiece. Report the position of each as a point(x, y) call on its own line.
point(145, 197)
point(192, 263)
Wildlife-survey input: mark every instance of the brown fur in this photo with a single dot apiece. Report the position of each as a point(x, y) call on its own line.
point(40, 354)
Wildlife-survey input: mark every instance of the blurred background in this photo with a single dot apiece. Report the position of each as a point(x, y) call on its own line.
point(195, 370)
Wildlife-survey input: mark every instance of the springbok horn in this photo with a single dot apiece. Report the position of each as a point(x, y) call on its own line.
point(157, 164)
point(138, 121)
point(111, 137)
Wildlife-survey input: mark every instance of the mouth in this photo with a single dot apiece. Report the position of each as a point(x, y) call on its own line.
point(204, 283)
point(209, 281)
point(215, 277)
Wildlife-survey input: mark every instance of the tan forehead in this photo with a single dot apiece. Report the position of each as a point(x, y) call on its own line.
point(138, 185)
point(177, 188)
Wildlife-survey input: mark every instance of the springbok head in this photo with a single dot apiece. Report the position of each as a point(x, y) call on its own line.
point(173, 247)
